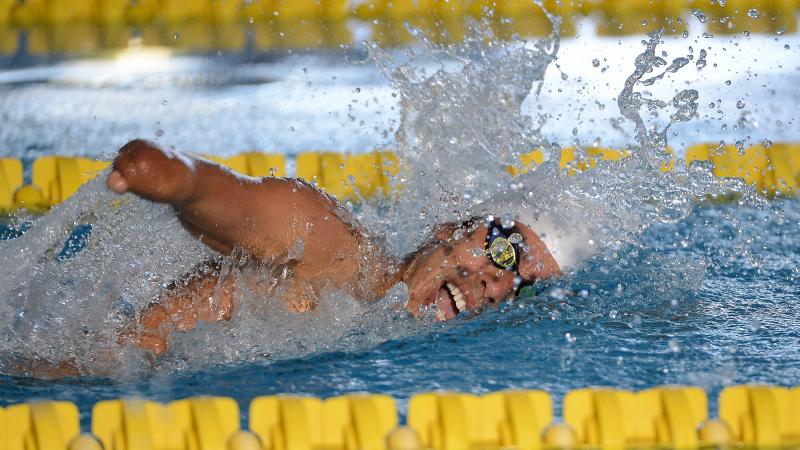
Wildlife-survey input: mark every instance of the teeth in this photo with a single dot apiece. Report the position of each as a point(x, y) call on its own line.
point(440, 315)
point(458, 296)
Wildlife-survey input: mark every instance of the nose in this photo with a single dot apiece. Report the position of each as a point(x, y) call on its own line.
point(497, 284)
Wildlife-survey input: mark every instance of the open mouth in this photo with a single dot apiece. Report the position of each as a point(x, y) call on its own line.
point(450, 301)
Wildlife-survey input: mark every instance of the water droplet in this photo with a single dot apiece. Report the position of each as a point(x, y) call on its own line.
point(176, 36)
point(786, 47)
point(358, 90)
point(699, 15)
point(570, 338)
point(740, 104)
point(727, 82)
point(780, 31)
point(163, 102)
point(746, 33)
point(766, 143)
point(752, 13)
point(595, 62)
point(701, 61)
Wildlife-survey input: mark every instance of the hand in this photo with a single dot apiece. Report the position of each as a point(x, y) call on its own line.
point(149, 172)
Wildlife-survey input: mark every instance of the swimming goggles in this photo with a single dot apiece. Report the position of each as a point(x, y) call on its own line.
point(503, 242)
point(503, 245)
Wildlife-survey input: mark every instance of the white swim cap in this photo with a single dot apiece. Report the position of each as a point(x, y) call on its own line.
point(569, 239)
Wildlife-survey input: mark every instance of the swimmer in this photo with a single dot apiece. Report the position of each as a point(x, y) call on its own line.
point(316, 244)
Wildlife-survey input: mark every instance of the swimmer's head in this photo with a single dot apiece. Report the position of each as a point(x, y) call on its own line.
point(455, 272)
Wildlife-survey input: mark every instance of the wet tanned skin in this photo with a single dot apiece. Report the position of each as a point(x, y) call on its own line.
point(455, 256)
point(266, 217)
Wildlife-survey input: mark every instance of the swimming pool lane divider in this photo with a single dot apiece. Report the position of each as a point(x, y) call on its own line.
point(37, 27)
point(752, 416)
point(129, 41)
point(22, 13)
point(773, 170)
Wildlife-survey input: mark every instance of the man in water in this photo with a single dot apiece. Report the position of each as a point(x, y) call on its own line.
point(318, 245)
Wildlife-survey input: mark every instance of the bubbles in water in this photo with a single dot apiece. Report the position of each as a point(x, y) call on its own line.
point(752, 13)
point(740, 104)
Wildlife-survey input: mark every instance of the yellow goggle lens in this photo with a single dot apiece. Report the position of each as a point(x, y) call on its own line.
point(502, 252)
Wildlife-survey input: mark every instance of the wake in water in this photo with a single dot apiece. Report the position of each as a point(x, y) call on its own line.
point(462, 125)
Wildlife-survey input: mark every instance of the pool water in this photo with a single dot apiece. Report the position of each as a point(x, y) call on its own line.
point(684, 289)
point(712, 300)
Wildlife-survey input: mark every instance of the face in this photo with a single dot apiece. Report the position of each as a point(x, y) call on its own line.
point(454, 272)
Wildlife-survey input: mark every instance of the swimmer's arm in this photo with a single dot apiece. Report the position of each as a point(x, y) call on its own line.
point(205, 296)
point(265, 217)
point(202, 297)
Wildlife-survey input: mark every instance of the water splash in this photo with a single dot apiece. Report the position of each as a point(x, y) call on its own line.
point(65, 314)
point(462, 125)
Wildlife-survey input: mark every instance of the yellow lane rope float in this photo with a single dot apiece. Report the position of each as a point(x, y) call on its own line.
point(677, 417)
point(69, 26)
point(351, 177)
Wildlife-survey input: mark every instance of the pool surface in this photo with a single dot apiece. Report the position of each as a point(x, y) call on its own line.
point(711, 301)
point(685, 289)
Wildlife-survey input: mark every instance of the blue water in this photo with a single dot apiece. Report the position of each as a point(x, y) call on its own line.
point(712, 300)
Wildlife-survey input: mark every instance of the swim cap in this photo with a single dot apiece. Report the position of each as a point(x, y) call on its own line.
point(568, 236)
